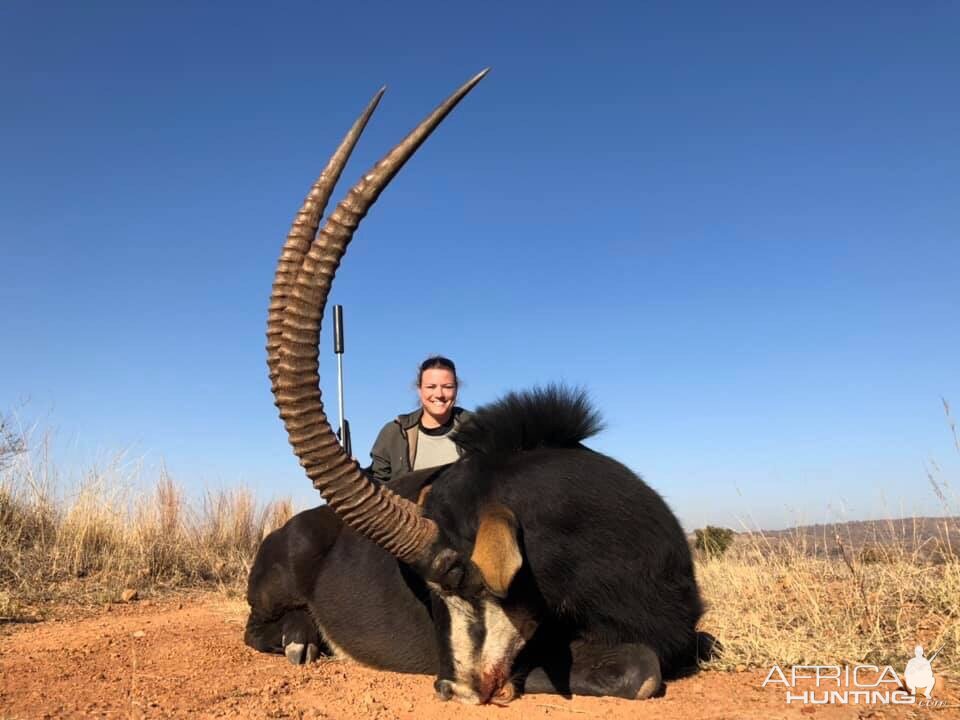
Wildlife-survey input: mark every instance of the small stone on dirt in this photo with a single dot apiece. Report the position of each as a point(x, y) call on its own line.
point(139, 634)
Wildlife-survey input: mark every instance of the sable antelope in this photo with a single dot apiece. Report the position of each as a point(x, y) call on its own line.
point(532, 564)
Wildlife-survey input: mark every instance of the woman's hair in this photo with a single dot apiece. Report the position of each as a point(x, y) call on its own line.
point(437, 362)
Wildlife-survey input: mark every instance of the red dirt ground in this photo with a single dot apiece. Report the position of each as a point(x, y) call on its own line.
point(185, 658)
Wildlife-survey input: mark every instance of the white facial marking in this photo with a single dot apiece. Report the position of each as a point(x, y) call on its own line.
point(505, 634)
point(462, 616)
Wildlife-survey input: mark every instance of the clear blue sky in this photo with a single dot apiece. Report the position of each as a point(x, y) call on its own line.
point(735, 223)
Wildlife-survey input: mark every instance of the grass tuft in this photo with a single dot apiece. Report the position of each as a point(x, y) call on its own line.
point(772, 600)
point(84, 544)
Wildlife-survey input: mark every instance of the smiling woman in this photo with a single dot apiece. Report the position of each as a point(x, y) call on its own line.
point(421, 439)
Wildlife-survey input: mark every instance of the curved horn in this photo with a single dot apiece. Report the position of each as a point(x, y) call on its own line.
point(302, 232)
point(389, 520)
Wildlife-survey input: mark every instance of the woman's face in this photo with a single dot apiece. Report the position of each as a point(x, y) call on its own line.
point(438, 394)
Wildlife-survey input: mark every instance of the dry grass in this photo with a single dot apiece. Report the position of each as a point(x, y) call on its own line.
point(857, 593)
point(771, 598)
point(87, 542)
point(772, 601)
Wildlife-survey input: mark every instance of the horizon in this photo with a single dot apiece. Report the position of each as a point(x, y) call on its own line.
point(734, 227)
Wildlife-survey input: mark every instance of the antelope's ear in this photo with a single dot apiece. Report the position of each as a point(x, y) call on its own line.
point(496, 552)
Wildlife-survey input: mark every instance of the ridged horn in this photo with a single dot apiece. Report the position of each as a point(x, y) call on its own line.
point(304, 230)
point(392, 522)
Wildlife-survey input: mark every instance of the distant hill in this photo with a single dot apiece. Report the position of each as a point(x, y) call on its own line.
point(922, 538)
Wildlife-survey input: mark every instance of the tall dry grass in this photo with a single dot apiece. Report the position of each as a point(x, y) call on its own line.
point(770, 599)
point(774, 601)
point(832, 598)
point(86, 541)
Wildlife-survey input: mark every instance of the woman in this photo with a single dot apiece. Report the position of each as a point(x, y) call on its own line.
point(421, 439)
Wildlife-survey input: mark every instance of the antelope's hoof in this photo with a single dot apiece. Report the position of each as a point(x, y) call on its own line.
point(301, 653)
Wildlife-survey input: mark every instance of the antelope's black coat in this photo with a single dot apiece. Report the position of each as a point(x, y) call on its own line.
point(606, 565)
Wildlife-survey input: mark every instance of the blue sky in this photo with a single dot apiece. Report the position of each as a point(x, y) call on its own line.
point(736, 224)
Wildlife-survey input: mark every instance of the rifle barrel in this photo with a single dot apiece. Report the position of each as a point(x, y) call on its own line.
point(338, 349)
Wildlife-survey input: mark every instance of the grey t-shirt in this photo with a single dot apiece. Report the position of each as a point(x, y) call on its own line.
point(433, 450)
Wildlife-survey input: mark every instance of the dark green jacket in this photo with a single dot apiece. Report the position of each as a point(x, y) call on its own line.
point(395, 448)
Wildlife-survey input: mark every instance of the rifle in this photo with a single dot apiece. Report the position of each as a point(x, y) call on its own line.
point(344, 433)
point(934, 656)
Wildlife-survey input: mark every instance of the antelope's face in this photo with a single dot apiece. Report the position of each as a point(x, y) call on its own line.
point(483, 621)
point(484, 637)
